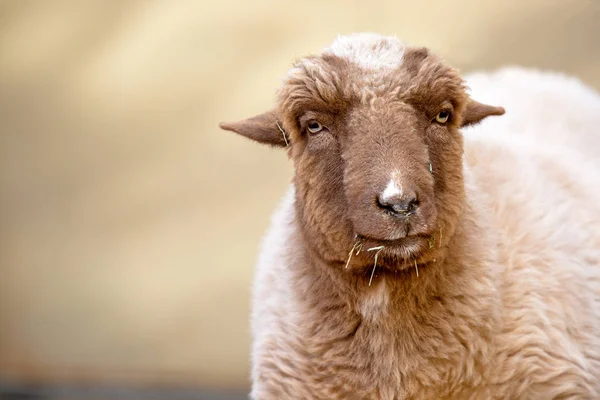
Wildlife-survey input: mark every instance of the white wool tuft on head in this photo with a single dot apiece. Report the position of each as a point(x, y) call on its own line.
point(369, 50)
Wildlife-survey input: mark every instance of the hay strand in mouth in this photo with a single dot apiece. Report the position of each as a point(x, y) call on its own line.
point(283, 133)
point(416, 268)
point(357, 246)
point(350, 254)
point(440, 246)
point(378, 249)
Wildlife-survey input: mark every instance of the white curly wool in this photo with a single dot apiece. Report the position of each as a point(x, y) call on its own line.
point(369, 50)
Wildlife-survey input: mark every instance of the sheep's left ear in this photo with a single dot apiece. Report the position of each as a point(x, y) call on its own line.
point(262, 128)
point(475, 112)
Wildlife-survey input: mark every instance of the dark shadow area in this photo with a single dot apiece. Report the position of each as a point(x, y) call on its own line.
point(64, 392)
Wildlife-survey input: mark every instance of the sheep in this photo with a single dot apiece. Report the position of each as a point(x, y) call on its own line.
point(409, 260)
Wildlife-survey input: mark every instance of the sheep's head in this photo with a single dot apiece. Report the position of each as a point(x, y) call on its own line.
point(372, 128)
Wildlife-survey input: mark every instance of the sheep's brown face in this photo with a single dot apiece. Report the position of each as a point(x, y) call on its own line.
point(388, 177)
point(373, 133)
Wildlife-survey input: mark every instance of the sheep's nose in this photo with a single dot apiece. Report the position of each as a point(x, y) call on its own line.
point(398, 202)
point(401, 206)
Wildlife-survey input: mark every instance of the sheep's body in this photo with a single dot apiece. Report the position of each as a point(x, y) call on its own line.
point(521, 315)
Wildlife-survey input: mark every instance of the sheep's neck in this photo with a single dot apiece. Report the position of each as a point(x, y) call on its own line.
point(402, 326)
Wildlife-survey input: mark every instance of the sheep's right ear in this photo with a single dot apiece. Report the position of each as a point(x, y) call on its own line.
point(262, 128)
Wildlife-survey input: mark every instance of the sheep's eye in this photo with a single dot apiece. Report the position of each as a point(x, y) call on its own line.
point(442, 117)
point(314, 127)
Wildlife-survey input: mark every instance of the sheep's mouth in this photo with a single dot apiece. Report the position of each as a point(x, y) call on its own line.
point(392, 242)
point(408, 247)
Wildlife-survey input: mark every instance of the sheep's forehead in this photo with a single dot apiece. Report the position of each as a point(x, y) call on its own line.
point(367, 69)
point(369, 50)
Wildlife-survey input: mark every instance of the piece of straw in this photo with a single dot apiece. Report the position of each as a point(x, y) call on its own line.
point(283, 133)
point(416, 268)
point(378, 248)
point(357, 246)
point(350, 254)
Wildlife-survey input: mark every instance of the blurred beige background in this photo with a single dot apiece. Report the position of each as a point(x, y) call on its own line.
point(129, 223)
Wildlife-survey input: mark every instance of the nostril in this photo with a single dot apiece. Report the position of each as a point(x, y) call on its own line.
point(412, 205)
